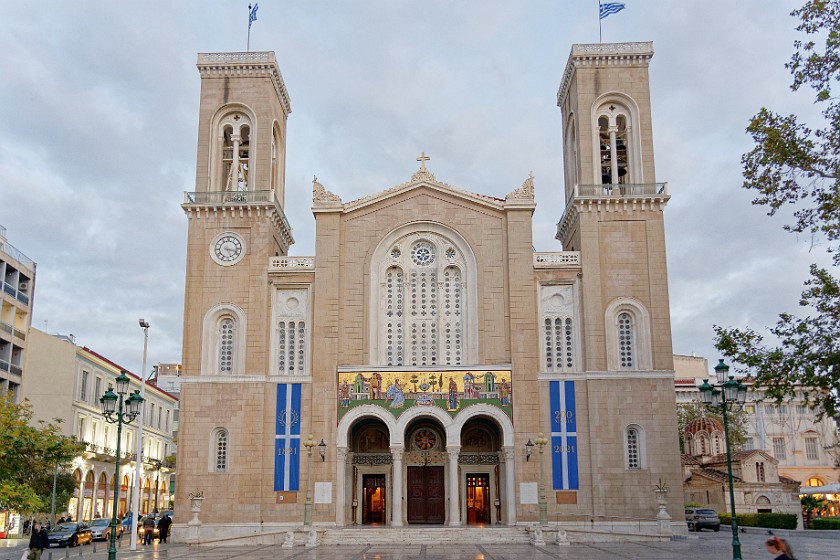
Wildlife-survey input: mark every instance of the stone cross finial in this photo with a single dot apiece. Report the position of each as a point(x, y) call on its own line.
point(423, 158)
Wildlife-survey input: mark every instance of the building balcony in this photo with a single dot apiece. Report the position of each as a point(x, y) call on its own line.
point(633, 190)
point(16, 293)
point(11, 330)
point(564, 259)
point(291, 264)
point(244, 202)
point(611, 197)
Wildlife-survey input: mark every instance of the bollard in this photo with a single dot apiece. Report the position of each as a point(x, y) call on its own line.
point(94, 546)
point(67, 551)
point(49, 556)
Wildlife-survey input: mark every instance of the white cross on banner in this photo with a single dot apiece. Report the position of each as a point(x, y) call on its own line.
point(563, 435)
point(287, 439)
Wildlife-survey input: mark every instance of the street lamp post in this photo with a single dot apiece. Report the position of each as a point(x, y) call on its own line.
point(138, 460)
point(541, 441)
point(119, 410)
point(158, 465)
point(307, 507)
point(729, 396)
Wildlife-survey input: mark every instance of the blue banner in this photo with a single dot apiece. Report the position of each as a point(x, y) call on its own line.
point(564, 459)
point(287, 439)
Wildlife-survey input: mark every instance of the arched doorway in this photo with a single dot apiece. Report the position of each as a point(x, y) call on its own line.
point(74, 508)
point(87, 508)
point(124, 495)
point(478, 462)
point(101, 496)
point(371, 476)
point(147, 490)
point(425, 465)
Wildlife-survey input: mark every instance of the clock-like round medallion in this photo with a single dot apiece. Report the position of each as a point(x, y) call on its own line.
point(227, 249)
point(425, 439)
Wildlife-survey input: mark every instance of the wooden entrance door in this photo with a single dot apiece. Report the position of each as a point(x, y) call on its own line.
point(478, 499)
point(425, 495)
point(373, 508)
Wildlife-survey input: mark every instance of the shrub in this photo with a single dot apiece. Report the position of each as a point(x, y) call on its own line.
point(827, 523)
point(765, 520)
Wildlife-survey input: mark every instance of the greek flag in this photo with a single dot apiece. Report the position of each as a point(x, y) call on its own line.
point(606, 9)
point(564, 441)
point(252, 17)
point(287, 439)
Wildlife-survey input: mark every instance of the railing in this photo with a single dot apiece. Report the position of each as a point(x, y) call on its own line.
point(15, 293)
point(232, 57)
point(622, 190)
point(17, 370)
point(372, 459)
point(566, 259)
point(8, 328)
point(4, 365)
point(228, 197)
point(14, 253)
point(289, 264)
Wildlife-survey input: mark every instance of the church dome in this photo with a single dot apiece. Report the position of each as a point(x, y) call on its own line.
point(703, 424)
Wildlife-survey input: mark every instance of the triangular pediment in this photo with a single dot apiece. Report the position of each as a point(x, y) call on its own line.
point(424, 179)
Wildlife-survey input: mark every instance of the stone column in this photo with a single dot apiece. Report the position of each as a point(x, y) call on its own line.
point(454, 493)
point(397, 485)
point(234, 164)
point(510, 487)
point(340, 485)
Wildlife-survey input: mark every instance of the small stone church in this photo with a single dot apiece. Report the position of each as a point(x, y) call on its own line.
point(426, 367)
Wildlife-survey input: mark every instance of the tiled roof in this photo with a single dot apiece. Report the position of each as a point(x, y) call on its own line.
point(714, 474)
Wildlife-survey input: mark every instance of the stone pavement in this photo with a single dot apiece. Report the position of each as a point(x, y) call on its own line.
point(706, 546)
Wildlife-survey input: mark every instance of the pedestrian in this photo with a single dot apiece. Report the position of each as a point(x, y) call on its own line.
point(163, 528)
point(779, 548)
point(61, 519)
point(38, 541)
point(149, 529)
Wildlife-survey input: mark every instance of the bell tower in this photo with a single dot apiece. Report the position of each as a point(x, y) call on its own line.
point(236, 224)
point(614, 217)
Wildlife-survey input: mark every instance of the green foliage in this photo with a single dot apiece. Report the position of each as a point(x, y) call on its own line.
point(826, 524)
point(766, 520)
point(797, 165)
point(28, 457)
point(811, 505)
point(738, 423)
point(692, 504)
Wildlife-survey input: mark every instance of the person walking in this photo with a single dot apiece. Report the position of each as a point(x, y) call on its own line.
point(149, 529)
point(163, 528)
point(779, 548)
point(38, 541)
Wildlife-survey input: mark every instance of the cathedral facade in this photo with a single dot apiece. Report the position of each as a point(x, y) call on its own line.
point(404, 375)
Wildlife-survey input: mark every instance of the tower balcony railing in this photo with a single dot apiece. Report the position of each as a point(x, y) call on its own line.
point(621, 190)
point(291, 264)
point(232, 198)
point(563, 259)
point(228, 197)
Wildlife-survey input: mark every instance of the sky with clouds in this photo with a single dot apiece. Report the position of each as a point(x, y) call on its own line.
point(99, 106)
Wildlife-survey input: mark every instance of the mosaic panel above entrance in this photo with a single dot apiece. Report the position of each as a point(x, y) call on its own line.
point(397, 391)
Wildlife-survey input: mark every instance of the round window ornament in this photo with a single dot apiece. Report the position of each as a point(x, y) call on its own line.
point(423, 253)
point(227, 248)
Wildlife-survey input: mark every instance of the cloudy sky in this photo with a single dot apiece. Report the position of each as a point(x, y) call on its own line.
point(98, 113)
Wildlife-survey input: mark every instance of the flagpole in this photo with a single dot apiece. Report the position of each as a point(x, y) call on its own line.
point(248, 47)
point(600, 38)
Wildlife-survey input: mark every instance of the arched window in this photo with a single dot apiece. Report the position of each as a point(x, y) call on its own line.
point(617, 146)
point(634, 447)
point(689, 444)
point(223, 344)
point(422, 303)
point(572, 160)
point(628, 336)
point(626, 341)
point(718, 439)
point(219, 450)
point(559, 344)
point(704, 444)
point(227, 333)
point(231, 153)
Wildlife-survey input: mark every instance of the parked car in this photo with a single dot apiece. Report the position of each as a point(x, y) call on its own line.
point(702, 518)
point(70, 534)
point(101, 529)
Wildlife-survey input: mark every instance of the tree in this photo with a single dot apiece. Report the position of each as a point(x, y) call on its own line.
point(810, 505)
point(797, 165)
point(29, 455)
point(737, 423)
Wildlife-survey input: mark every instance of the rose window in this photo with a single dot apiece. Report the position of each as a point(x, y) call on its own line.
point(425, 440)
point(423, 253)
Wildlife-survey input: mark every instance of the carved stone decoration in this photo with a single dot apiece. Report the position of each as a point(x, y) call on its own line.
point(525, 191)
point(423, 175)
point(562, 539)
point(314, 539)
point(537, 538)
point(557, 300)
point(289, 540)
point(320, 194)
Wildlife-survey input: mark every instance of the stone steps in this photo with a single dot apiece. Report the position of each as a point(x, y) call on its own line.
point(424, 535)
